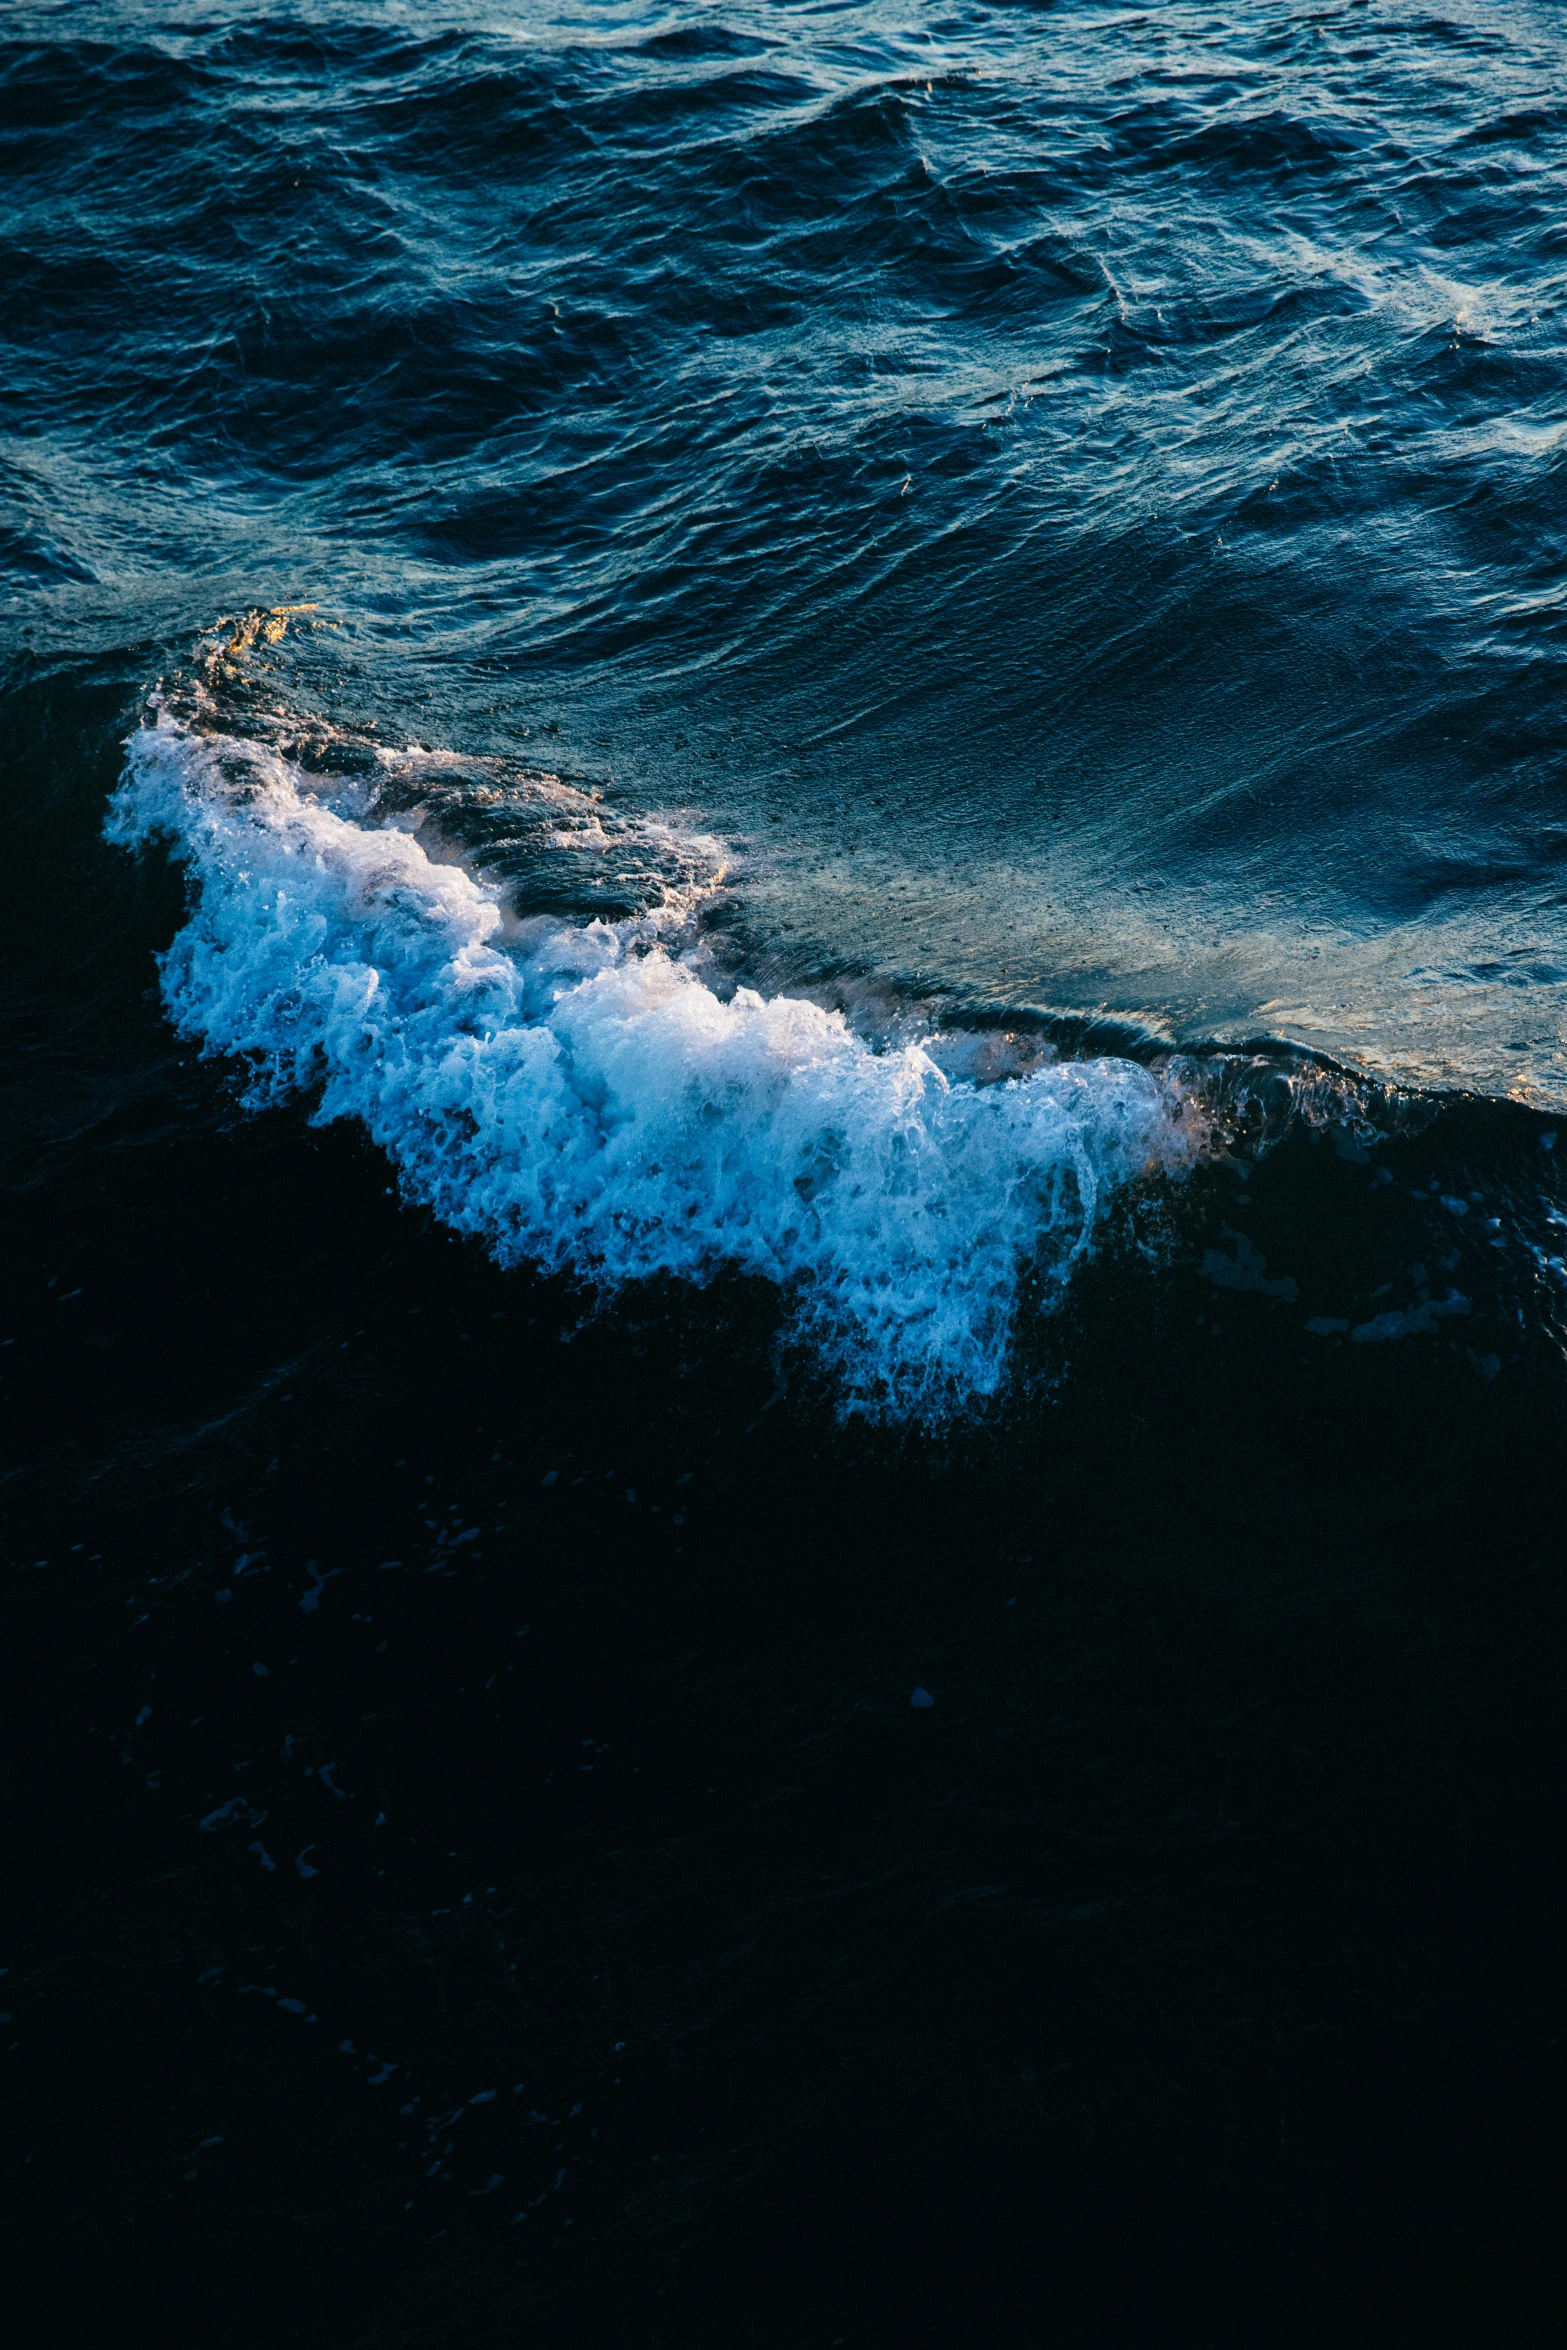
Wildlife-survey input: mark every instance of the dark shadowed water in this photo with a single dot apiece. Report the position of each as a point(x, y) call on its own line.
point(786, 1266)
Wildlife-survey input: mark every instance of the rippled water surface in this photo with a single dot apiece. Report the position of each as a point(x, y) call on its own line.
point(1072, 495)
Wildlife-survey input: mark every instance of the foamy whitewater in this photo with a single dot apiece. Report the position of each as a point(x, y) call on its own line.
point(581, 1097)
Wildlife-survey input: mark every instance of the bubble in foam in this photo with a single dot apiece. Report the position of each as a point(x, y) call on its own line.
point(579, 1097)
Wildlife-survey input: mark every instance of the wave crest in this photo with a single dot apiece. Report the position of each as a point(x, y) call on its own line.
point(579, 1096)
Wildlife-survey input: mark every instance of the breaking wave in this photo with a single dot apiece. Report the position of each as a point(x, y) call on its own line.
point(583, 1096)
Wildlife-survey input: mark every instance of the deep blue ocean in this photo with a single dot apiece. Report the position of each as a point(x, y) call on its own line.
point(785, 983)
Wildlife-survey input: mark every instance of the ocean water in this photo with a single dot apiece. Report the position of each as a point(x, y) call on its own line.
point(786, 930)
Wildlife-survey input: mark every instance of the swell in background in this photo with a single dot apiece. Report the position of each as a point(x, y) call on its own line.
point(1079, 494)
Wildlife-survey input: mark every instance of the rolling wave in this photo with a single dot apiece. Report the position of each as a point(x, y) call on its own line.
point(583, 1096)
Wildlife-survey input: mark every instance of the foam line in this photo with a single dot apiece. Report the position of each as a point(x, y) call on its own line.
point(581, 1098)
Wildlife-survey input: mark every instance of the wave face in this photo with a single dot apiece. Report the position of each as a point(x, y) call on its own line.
point(579, 1095)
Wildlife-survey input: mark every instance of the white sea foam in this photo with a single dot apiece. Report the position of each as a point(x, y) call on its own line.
point(581, 1097)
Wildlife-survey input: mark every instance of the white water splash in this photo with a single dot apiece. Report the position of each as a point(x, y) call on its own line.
point(581, 1098)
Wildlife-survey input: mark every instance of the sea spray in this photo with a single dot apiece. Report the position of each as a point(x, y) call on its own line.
point(581, 1097)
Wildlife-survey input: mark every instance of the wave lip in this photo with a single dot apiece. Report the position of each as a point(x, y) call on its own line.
point(581, 1098)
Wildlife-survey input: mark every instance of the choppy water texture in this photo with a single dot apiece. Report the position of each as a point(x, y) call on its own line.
point(877, 690)
point(1089, 480)
point(1066, 500)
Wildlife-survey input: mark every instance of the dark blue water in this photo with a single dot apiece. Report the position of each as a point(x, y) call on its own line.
point(785, 922)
